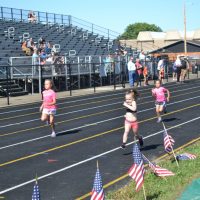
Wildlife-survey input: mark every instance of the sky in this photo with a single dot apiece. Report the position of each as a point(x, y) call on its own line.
point(116, 15)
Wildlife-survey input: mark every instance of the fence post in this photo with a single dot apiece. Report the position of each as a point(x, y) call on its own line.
point(154, 70)
point(92, 28)
point(2, 12)
point(114, 78)
point(94, 77)
point(123, 74)
point(7, 86)
point(46, 17)
point(70, 20)
point(21, 15)
point(54, 18)
point(12, 14)
point(167, 71)
point(39, 78)
point(70, 81)
point(38, 16)
point(62, 19)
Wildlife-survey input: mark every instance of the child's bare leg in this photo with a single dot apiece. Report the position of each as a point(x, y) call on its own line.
point(158, 112)
point(126, 132)
point(52, 124)
point(136, 134)
point(44, 117)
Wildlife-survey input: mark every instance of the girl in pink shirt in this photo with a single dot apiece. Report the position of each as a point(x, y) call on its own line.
point(48, 106)
point(159, 93)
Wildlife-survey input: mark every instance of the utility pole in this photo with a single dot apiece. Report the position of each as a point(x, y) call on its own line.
point(185, 30)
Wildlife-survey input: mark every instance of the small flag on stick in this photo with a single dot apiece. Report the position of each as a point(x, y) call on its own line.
point(36, 191)
point(97, 191)
point(186, 156)
point(137, 170)
point(157, 170)
point(168, 143)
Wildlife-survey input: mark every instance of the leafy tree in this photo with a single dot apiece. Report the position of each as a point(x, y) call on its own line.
point(132, 30)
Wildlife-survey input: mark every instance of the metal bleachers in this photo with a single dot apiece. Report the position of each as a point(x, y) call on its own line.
point(70, 36)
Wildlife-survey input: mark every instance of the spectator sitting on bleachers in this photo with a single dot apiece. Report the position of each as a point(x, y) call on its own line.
point(35, 57)
point(41, 40)
point(41, 47)
point(48, 48)
point(30, 44)
point(32, 17)
point(43, 55)
point(50, 59)
point(26, 50)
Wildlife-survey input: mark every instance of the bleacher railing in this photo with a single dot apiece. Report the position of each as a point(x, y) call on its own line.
point(21, 15)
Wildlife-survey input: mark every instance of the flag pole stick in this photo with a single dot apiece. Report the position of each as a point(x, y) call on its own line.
point(171, 147)
point(145, 197)
point(97, 164)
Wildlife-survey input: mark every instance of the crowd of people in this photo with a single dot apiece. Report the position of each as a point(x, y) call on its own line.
point(42, 52)
point(137, 71)
point(180, 68)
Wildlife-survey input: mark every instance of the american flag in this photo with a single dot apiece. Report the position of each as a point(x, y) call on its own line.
point(36, 191)
point(185, 156)
point(161, 172)
point(97, 191)
point(168, 141)
point(137, 170)
point(157, 170)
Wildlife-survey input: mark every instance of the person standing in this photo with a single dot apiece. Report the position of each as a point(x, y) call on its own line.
point(159, 67)
point(178, 68)
point(131, 72)
point(184, 68)
point(139, 68)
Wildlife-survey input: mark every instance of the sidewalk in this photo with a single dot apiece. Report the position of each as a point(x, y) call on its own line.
point(27, 99)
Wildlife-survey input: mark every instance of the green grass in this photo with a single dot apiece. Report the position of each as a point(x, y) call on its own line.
point(169, 188)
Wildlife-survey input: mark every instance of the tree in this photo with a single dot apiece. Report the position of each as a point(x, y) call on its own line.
point(132, 30)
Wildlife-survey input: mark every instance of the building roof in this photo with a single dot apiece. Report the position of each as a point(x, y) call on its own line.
point(191, 43)
point(168, 35)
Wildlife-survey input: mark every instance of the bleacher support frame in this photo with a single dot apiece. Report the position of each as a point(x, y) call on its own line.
point(21, 15)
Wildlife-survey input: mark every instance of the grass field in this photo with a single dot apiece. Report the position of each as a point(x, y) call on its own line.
point(169, 188)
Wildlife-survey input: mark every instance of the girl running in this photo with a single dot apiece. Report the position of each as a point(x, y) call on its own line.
point(131, 117)
point(48, 107)
point(159, 93)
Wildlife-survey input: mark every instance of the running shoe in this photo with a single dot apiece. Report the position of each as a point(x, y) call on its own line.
point(165, 108)
point(159, 120)
point(53, 134)
point(123, 146)
point(141, 141)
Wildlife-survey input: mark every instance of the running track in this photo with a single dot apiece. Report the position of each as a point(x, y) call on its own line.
point(90, 128)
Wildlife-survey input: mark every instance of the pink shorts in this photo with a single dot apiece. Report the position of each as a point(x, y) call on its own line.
point(133, 124)
point(49, 111)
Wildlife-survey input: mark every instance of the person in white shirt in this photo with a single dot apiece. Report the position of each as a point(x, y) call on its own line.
point(160, 66)
point(142, 56)
point(131, 72)
point(178, 68)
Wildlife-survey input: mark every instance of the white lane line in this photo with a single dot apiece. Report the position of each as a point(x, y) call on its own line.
point(78, 100)
point(67, 113)
point(89, 159)
point(84, 126)
point(71, 112)
point(87, 125)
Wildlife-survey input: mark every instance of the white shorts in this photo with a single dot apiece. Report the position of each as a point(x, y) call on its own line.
point(49, 111)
